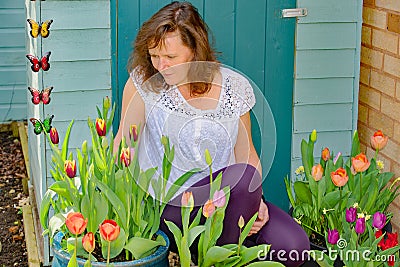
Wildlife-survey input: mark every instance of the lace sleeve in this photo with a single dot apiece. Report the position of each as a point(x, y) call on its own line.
point(245, 94)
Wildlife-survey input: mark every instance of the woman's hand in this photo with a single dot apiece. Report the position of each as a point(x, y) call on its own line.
point(262, 219)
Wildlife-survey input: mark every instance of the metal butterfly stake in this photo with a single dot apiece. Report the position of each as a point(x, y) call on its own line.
point(37, 29)
point(42, 63)
point(40, 127)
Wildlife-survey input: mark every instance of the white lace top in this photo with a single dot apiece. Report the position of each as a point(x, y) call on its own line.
point(191, 130)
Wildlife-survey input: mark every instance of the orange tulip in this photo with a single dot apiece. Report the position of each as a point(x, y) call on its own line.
point(125, 156)
point(317, 172)
point(378, 140)
point(109, 230)
point(88, 242)
point(75, 223)
point(70, 168)
point(339, 177)
point(360, 163)
point(101, 127)
point(208, 208)
point(325, 154)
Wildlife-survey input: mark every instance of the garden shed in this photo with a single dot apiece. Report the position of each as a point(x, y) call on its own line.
point(302, 55)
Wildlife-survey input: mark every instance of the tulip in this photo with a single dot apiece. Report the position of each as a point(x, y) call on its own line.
point(70, 168)
point(313, 136)
point(325, 154)
point(54, 136)
point(333, 236)
point(317, 171)
point(241, 222)
point(88, 242)
point(101, 127)
point(360, 225)
point(339, 177)
point(208, 208)
point(351, 214)
point(75, 223)
point(125, 156)
point(187, 200)
point(379, 220)
point(106, 102)
point(378, 140)
point(219, 198)
point(133, 132)
point(360, 163)
point(109, 230)
point(208, 157)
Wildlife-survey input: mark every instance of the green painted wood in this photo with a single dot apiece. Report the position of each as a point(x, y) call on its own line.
point(148, 8)
point(11, 111)
point(12, 75)
point(71, 45)
point(77, 14)
point(12, 57)
point(14, 37)
point(78, 75)
point(12, 18)
point(325, 63)
point(11, 4)
point(338, 141)
point(329, 11)
point(323, 91)
point(327, 117)
point(13, 94)
point(326, 36)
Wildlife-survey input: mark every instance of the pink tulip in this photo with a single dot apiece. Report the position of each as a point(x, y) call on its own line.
point(219, 198)
point(208, 208)
point(317, 172)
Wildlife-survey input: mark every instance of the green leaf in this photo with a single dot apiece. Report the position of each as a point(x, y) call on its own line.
point(178, 183)
point(289, 190)
point(139, 246)
point(247, 228)
point(216, 254)
point(302, 192)
point(249, 254)
point(265, 264)
point(65, 142)
point(45, 207)
point(175, 231)
point(355, 147)
point(194, 232)
point(73, 261)
point(55, 224)
point(116, 246)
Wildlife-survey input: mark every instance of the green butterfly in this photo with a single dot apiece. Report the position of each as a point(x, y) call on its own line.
point(39, 126)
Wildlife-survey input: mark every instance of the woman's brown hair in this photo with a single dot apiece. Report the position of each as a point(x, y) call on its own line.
point(184, 18)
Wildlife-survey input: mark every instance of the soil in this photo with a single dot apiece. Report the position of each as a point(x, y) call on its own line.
point(12, 169)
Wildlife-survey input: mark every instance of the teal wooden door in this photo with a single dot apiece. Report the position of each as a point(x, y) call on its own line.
point(253, 38)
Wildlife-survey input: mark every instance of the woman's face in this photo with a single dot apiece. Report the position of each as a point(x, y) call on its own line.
point(169, 58)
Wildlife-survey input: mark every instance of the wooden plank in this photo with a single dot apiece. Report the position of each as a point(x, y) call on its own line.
point(71, 45)
point(327, 117)
point(329, 11)
point(325, 63)
point(216, 16)
point(13, 94)
point(30, 237)
point(12, 18)
point(77, 14)
point(247, 27)
point(336, 141)
point(23, 136)
point(12, 37)
point(12, 75)
point(66, 106)
point(78, 75)
point(6, 4)
point(319, 91)
point(12, 57)
point(326, 35)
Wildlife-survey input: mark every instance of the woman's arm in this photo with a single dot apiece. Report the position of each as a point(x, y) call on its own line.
point(132, 112)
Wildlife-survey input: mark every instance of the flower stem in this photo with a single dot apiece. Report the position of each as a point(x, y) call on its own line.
point(108, 253)
point(360, 186)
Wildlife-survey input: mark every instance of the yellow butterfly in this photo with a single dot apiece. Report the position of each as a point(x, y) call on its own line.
point(42, 29)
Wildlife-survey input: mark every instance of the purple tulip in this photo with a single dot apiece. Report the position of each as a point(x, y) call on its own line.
point(360, 225)
point(333, 236)
point(379, 220)
point(351, 214)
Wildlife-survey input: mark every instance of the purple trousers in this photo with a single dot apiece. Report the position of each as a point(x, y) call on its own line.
point(287, 239)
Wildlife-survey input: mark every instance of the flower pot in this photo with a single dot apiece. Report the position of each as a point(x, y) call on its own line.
point(158, 259)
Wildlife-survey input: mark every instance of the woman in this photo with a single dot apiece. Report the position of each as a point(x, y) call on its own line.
point(177, 89)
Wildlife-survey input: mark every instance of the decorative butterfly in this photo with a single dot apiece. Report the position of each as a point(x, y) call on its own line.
point(40, 29)
point(39, 126)
point(43, 96)
point(37, 64)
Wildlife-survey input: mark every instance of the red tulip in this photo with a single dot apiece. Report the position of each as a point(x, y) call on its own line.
point(70, 168)
point(339, 177)
point(109, 230)
point(133, 134)
point(360, 163)
point(125, 156)
point(75, 223)
point(325, 154)
point(317, 172)
point(208, 208)
point(88, 242)
point(378, 140)
point(54, 136)
point(101, 127)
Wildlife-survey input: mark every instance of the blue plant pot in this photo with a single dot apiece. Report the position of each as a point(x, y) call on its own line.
point(158, 259)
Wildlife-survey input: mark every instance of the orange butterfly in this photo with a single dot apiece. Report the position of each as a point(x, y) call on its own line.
point(40, 29)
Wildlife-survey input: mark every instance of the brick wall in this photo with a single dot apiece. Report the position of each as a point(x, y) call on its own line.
point(379, 97)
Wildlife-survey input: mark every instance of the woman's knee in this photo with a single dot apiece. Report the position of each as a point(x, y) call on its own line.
point(242, 178)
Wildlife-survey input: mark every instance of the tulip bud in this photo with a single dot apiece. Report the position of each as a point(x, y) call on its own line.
point(208, 157)
point(317, 172)
point(109, 230)
point(70, 168)
point(219, 198)
point(101, 127)
point(379, 220)
point(133, 134)
point(360, 225)
point(313, 136)
point(325, 154)
point(241, 222)
point(125, 156)
point(378, 140)
point(75, 223)
point(351, 214)
point(54, 136)
point(339, 177)
point(106, 102)
point(88, 242)
point(84, 147)
point(104, 142)
point(208, 208)
point(187, 200)
point(333, 236)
